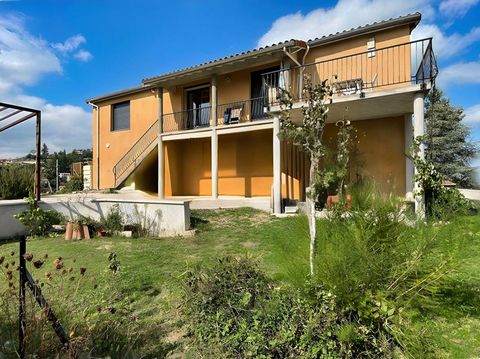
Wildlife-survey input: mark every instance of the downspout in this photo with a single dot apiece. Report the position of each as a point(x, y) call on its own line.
point(302, 69)
point(300, 66)
point(98, 143)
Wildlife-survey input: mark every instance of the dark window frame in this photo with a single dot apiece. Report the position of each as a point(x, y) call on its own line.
point(112, 116)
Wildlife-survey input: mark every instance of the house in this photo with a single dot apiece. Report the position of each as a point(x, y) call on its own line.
point(211, 129)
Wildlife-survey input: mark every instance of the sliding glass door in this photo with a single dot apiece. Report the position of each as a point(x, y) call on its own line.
point(198, 107)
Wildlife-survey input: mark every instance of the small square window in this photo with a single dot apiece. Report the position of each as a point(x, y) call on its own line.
point(120, 116)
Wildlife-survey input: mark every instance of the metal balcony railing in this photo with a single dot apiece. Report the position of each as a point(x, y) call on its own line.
point(241, 111)
point(187, 120)
point(389, 67)
point(227, 114)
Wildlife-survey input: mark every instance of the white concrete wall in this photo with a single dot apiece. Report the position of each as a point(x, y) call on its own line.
point(9, 226)
point(162, 218)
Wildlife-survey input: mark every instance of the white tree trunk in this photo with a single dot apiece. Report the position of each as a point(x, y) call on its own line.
point(311, 198)
point(313, 231)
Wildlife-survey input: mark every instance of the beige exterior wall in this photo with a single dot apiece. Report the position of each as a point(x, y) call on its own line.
point(187, 168)
point(245, 164)
point(379, 154)
point(143, 113)
point(187, 162)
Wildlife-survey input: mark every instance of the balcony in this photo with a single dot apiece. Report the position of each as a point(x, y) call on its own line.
point(227, 114)
point(389, 68)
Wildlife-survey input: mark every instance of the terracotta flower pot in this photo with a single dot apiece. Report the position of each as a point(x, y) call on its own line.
point(69, 231)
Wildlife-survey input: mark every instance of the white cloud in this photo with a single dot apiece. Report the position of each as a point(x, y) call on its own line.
point(83, 55)
point(24, 60)
point(70, 44)
point(344, 15)
point(460, 73)
point(446, 45)
point(352, 13)
point(472, 115)
point(456, 8)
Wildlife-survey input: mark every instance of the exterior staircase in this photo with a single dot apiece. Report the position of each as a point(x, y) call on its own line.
point(137, 153)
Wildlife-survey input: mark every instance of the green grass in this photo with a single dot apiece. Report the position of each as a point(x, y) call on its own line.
point(151, 271)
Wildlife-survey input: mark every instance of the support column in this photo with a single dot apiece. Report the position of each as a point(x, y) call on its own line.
point(38, 167)
point(161, 155)
point(214, 156)
point(419, 130)
point(213, 112)
point(214, 139)
point(277, 179)
point(409, 167)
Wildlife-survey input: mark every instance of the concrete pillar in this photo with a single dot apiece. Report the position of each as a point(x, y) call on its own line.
point(409, 167)
point(213, 112)
point(214, 156)
point(277, 179)
point(214, 140)
point(161, 155)
point(419, 130)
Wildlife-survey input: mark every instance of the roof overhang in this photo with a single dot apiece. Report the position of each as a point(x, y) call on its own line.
point(229, 64)
point(412, 20)
point(118, 94)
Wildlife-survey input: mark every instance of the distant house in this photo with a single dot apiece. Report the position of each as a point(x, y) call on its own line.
point(211, 129)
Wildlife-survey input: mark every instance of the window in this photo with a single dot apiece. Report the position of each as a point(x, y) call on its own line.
point(120, 116)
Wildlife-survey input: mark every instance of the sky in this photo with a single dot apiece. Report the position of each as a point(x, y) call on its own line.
point(54, 54)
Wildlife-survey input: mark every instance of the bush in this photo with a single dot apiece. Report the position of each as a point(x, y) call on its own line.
point(234, 310)
point(16, 181)
point(37, 221)
point(113, 222)
point(377, 263)
point(75, 183)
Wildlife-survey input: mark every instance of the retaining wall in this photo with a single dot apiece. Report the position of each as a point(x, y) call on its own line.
point(161, 217)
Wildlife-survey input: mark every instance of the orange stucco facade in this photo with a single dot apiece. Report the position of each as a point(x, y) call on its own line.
point(245, 159)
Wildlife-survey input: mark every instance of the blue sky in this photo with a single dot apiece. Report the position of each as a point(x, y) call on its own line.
point(55, 54)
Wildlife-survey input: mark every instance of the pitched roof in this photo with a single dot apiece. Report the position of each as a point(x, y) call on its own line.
point(412, 19)
point(147, 83)
point(226, 59)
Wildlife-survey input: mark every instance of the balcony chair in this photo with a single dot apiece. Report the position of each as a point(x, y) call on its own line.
point(372, 84)
point(348, 87)
point(233, 115)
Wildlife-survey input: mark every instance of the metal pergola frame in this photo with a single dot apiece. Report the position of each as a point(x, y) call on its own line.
point(24, 114)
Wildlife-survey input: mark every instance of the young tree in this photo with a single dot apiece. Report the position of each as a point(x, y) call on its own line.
point(309, 136)
point(447, 141)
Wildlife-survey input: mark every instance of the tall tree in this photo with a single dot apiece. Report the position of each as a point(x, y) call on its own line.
point(44, 153)
point(448, 144)
point(309, 136)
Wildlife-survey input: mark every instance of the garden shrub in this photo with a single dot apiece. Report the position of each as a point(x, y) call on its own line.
point(75, 183)
point(377, 263)
point(234, 310)
point(441, 203)
point(38, 221)
point(113, 221)
point(16, 181)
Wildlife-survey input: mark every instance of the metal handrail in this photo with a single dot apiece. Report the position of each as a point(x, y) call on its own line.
point(136, 151)
point(410, 62)
point(251, 110)
point(187, 119)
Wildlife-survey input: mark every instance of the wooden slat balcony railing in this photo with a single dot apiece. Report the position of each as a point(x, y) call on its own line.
point(387, 68)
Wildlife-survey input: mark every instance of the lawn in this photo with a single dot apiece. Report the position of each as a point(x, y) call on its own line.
point(151, 273)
